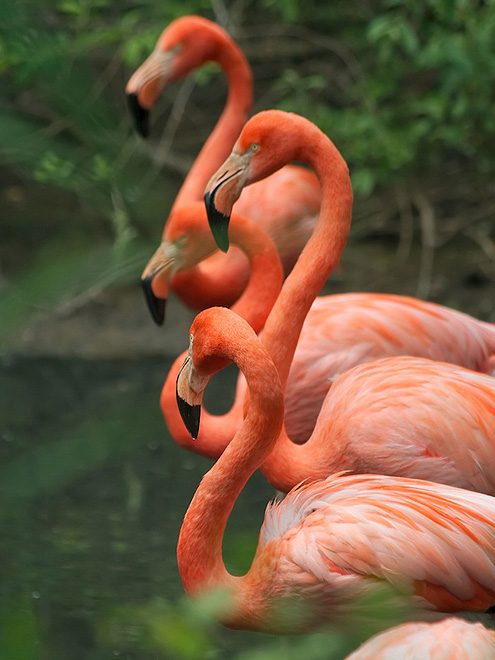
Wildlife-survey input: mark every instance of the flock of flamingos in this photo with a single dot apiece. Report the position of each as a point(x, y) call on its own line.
point(375, 412)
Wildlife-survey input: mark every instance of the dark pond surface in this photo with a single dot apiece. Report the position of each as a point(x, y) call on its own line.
point(93, 491)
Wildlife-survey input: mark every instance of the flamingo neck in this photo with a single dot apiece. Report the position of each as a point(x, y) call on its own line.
point(265, 272)
point(254, 305)
point(320, 255)
point(290, 464)
point(219, 144)
point(199, 549)
point(266, 277)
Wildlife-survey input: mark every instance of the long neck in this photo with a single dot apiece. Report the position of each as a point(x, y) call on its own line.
point(217, 280)
point(319, 257)
point(289, 463)
point(266, 276)
point(199, 549)
point(223, 279)
point(254, 305)
point(219, 144)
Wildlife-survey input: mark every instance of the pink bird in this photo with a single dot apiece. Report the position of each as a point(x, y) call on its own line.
point(450, 639)
point(401, 416)
point(340, 332)
point(328, 542)
point(286, 205)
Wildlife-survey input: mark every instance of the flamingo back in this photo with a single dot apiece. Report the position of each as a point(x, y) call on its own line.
point(349, 531)
point(451, 639)
point(412, 417)
point(344, 330)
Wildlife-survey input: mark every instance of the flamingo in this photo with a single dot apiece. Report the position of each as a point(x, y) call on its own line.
point(266, 272)
point(328, 542)
point(340, 332)
point(403, 416)
point(450, 639)
point(185, 45)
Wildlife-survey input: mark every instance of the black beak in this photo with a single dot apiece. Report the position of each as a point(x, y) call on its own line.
point(219, 223)
point(155, 305)
point(190, 416)
point(139, 115)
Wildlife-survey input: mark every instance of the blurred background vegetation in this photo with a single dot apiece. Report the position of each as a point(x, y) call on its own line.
point(92, 491)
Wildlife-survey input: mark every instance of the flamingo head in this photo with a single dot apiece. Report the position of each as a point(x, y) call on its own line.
point(186, 242)
point(203, 360)
point(267, 142)
point(185, 45)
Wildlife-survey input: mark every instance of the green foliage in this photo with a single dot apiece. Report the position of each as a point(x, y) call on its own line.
point(422, 94)
point(64, 272)
point(20, 637)
point(187, 628)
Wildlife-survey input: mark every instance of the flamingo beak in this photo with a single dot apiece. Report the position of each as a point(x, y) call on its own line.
point(223, 190)
point(156, 279)
point(188, 401)
point(145, 85)
point(140, 115)
point(190, 414)
point(155, 305)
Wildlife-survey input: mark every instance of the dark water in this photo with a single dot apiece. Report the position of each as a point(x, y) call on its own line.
point(92, 494)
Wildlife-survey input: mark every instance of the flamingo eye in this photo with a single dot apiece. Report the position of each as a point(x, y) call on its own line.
point(254, 147)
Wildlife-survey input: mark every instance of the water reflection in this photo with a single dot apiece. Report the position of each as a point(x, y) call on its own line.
point(93, 492)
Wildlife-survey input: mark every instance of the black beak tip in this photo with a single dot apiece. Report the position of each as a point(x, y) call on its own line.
point(155, 305)
point(219, 223)
point(190, 416)
point(139, 115)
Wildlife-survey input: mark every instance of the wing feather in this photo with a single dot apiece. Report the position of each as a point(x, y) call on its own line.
point(402, 530)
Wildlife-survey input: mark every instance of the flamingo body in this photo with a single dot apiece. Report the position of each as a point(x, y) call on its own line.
point(451, 639)
point(411, 417)
point(329, 542)
point(342, 331)
point(402, 415)
point(332, 540)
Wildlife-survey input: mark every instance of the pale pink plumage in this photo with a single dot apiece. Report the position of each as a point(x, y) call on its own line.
point(338, 538)
point(328, 542)
point(402, 416)
point(342, 331)
point(451, 639)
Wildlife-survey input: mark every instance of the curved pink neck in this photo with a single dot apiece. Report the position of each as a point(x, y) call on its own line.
point(290, 463)
point(219, 144)
point(216, 431)
point(267, 275)
point(199, 549)
point(320, 255)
